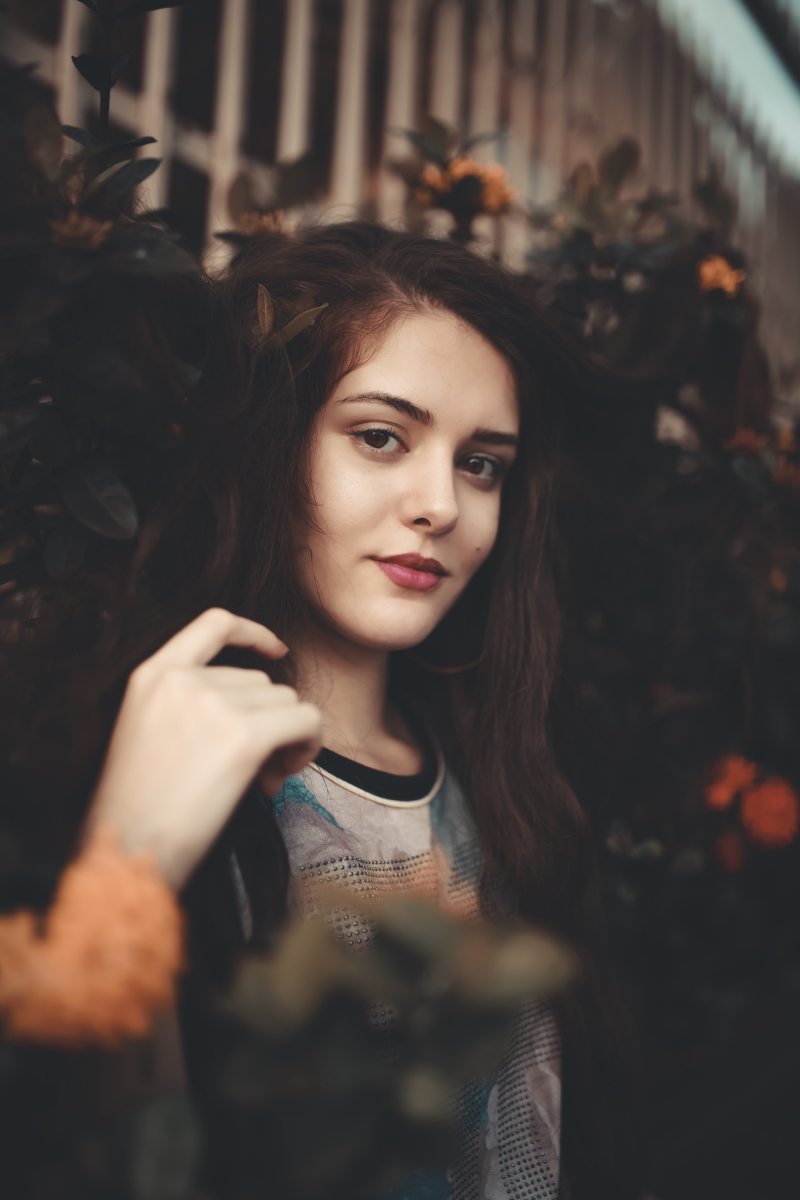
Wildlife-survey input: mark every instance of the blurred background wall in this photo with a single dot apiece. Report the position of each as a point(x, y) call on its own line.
point(224, 84)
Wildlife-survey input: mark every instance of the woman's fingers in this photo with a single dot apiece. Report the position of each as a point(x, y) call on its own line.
point(203, 639)
point(283, 726)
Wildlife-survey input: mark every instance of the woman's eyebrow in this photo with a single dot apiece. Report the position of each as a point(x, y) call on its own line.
point(421, 415)
point(490, 437)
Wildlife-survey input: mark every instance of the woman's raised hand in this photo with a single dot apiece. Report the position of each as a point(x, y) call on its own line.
point(190, 738)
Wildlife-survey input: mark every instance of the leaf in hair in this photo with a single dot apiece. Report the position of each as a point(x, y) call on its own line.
point(98, 498)
point(302, 321)
point(266, 311)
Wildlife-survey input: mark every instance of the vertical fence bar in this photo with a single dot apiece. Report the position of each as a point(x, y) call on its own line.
point(683, 173)
point(347, 169)
point(521, 151)
point(584, 91)
point(485, 83)
point(70, 89)
point(401, 99)
point(647, 116)
point(484, 110)
point(225, 157)
point(554, 93)
point(295, 103)
point(446, 63)
point(154, 114)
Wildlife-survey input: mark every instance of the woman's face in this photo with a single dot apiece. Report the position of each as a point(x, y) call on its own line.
point(407, 459)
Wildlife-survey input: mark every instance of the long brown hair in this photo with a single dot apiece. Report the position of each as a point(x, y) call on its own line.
point(253, 484)
point(222, 534)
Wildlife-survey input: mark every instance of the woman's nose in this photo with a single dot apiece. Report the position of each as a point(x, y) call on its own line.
point(430, 501)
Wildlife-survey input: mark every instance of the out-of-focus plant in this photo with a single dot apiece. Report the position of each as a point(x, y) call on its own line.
point(307, 1067)
point(445, 177)
point(95, 365)
point(259, 198)
point(680, 513)
point(653, 291)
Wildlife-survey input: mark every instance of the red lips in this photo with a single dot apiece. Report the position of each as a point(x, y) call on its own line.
point(417, 563)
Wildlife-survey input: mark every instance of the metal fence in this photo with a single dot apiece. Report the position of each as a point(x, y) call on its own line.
point(224, 84)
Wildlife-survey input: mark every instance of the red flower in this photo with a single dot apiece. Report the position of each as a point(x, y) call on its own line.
point(730, 775)
point(771, 812)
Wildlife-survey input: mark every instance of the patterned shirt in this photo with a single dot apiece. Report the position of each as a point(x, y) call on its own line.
point(508, 1126)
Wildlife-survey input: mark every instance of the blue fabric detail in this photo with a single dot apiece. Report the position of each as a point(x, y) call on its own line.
point(294, 791)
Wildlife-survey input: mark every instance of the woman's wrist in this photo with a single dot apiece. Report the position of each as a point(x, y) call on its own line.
point(103, 961)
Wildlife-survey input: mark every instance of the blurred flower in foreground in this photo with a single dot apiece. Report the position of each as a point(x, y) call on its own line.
point(731, 774)
point(771, 813)
point(717, 275)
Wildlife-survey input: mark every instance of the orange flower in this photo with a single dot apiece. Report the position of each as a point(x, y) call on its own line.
point(786, 440)
point(717, 274)
point(746, 439)
point(771, 813)
point(778, 580)
point(730, 775)
point(252, 223)
point(496, 195)
point(80, 231)
point(729, 851)
point(435, 178)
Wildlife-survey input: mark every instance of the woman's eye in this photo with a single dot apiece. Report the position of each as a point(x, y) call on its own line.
point(376, 439)
point(482, 468)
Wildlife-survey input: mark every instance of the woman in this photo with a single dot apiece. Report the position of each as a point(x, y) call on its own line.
point(376, 495)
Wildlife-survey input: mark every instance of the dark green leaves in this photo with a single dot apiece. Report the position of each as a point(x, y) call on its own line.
point(82, 136)
point(436, 142)
point(121, 177)
point(617, 164)
point(146, 250)
point(100, 73)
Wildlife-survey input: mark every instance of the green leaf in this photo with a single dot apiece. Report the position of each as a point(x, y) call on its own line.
point(106, 155)
point(441, 139)
point(265, 310)
point(99, 73)
point(425, 148)
point(82, 136)
point(146, 250)
point(295, 326)
point(100, 180)
point(480, 139)
point(617, 164)
point(97, 497)
point(133, 173)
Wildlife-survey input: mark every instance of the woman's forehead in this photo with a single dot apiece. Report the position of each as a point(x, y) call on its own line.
point(435, 359)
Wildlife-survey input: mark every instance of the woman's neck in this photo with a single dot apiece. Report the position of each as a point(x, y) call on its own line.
point(349, 684)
